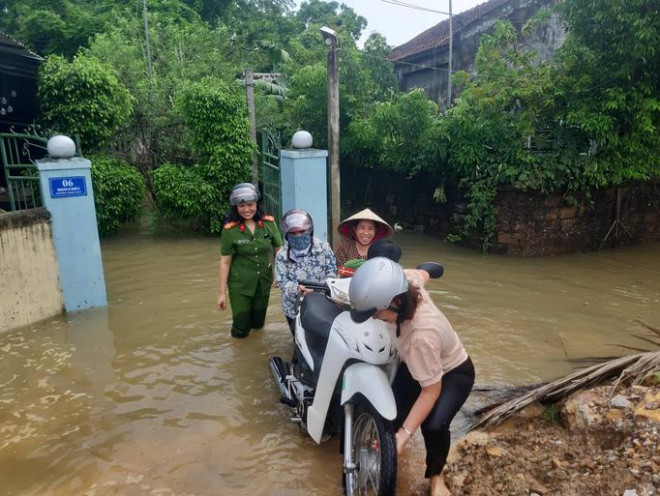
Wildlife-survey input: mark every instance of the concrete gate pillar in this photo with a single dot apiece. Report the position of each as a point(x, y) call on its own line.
point(304, 181)
point(66, 191)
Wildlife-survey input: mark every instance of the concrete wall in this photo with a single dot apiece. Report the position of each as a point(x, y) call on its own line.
point(29, 275)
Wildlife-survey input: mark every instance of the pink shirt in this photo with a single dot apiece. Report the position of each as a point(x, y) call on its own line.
point(428, 344)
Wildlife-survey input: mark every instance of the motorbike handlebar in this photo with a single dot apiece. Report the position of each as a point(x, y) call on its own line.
point(315, 286)
point(434, 269)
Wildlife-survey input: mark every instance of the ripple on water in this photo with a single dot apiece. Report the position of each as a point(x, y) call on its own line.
point(151, 396)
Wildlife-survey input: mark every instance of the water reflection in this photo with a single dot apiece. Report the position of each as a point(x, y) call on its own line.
point(152, 396)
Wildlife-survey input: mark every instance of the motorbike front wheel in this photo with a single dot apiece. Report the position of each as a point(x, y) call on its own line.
point(374, 453)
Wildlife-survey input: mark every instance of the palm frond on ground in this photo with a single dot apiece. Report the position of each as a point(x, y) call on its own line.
point(634, 369)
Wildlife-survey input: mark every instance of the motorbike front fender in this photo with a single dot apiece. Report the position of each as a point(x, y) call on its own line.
point(372, 383)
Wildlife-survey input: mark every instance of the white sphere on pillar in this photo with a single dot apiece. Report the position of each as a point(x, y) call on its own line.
point(302, 139)
point(61, 146)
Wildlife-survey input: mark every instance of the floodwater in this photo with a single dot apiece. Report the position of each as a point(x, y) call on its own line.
point(151, 396)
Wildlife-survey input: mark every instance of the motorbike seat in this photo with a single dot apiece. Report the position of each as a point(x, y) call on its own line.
point(317, 313)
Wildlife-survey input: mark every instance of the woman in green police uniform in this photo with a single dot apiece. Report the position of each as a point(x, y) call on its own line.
point(249, 242)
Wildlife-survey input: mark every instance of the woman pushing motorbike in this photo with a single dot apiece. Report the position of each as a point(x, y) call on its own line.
point(436, 374)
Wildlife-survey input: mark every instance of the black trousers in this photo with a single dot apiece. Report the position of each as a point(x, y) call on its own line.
point(292, 324)
point(456, 387)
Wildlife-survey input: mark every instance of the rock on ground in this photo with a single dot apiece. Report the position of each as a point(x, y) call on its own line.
point(598, 442)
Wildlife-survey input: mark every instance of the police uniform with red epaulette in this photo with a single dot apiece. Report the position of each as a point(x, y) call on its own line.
point(251, 271)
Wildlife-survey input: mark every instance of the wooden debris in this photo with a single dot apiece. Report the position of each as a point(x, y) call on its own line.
point(633, 368)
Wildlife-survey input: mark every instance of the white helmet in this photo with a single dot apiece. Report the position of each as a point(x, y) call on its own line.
point(243, 193)
point(297, 219)
point(374, 285)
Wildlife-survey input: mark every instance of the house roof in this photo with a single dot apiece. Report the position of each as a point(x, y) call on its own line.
point(438, 35)
point(19, 68)
point(16, 59)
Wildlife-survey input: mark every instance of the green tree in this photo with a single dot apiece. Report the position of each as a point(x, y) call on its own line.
point(484, 135)
point(180, 52)
point(307, 103)
point(215, 115)
point(399, 135)
point(269, 103)
point(332, 14)
point(307, 96)
point(381, 71)
point(588, 119)
point(261, 32)
point(83, 97)
point(53, 26)
point(609, 75)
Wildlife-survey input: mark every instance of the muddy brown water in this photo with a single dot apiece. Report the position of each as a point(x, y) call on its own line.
point(151, 396)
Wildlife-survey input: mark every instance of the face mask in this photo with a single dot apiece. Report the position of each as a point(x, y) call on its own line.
point(300, 243)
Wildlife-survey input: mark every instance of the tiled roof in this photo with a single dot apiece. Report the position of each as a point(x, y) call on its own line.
point(438, 35)
point(10, 45)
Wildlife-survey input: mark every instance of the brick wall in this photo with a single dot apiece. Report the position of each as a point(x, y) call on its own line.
point(528, 223)
point(531, 224)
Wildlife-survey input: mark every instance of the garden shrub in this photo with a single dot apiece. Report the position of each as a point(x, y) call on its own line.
point(183, 193)
point(119, 191)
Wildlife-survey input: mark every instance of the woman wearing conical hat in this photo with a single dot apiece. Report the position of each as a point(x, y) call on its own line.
point(358, 233)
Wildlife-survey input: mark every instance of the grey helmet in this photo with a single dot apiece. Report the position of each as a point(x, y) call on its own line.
point(297, 219)
point(243, 193)
point(374, 285)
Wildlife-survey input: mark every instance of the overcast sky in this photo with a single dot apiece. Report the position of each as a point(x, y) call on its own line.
point(400, 24)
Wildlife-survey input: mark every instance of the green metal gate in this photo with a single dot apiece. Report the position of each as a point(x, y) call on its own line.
point(270, 173)
point(19, 181)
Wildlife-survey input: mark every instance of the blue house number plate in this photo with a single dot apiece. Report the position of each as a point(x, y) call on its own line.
point(61, 187)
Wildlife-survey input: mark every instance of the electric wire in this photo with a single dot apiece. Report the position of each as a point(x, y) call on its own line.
point(414, 7)
point(445, 71)
point(479, 76)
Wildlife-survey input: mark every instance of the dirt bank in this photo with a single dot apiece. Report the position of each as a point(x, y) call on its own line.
point(598, 442)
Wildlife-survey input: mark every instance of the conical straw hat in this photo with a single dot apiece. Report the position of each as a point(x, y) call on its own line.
point(345, 227)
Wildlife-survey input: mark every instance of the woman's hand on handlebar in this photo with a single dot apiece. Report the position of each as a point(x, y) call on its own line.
point(304, 290)
point(433, 269)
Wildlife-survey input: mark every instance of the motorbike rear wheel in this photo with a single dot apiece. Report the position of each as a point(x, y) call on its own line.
point(374, 452)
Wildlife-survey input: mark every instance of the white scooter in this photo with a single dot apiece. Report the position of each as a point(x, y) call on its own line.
point(339, 382)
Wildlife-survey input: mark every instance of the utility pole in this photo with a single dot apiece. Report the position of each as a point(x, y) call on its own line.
point(249, 89)
point(330, 38)
point(151, 143)
point(451, 47)
point(148, 43)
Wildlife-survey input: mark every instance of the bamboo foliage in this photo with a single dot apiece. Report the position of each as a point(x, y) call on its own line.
point(633, 368)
